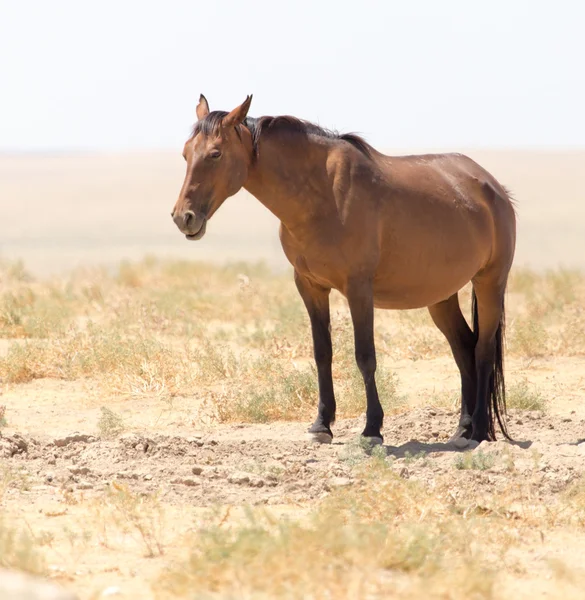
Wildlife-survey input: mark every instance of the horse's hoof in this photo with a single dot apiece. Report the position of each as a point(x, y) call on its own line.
point(320, 437)
point(460, 443)
point(461, 433)
point(373, 440)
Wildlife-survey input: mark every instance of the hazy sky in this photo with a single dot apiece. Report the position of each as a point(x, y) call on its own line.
point(431, 73)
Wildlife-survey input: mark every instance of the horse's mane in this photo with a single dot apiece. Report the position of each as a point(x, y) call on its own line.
point(284, 124)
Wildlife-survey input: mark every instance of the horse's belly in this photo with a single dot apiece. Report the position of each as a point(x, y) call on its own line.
point(419, 284)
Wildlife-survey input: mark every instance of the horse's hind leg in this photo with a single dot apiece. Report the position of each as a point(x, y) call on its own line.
point(448, 318)
point(490, 401)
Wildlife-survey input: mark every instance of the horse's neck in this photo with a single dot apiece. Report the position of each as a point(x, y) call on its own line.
point(290, 179)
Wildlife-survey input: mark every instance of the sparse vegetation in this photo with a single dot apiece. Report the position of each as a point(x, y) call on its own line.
point(110, 424)
point(523, 396)
point(234, 343)
point(139, 516)
point(475, 460)
point(357, 542)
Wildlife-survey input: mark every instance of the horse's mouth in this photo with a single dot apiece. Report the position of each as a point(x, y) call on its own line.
point(199, 234)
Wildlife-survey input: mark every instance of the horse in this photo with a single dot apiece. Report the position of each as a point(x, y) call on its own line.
point(391, 232)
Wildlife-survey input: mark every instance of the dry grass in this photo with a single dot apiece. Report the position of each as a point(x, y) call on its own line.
point(137, 516)
point(238, 337)
point(384, 537)
point(18, 548)
point(523, 396)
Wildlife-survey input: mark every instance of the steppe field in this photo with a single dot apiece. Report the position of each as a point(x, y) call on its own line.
point(155, 393)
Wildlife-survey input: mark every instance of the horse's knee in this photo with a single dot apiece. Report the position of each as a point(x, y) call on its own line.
point(366, 362)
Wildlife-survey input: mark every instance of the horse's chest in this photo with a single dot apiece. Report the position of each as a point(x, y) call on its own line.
point(316, 262)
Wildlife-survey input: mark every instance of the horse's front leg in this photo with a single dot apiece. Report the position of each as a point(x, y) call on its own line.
point(361, 304)
point(316, 299)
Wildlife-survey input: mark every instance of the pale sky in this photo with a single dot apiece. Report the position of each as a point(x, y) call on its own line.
point(125, 75)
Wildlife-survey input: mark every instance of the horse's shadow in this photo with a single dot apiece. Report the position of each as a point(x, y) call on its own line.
point(414, 447)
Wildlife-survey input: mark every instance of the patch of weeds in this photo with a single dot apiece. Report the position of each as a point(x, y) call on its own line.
point(130, 275)
point(574, 497)
point(348, 547)
point(216, 362)
point(141, 516)
point(359, 449)
point(475, 461)
point(524, 397)
point(275, 395)
point(421, 457)
point(110, 424)
point(523, 281)
point(572, 337)
point(529, 338)
point(17, 549)
point(562, 284)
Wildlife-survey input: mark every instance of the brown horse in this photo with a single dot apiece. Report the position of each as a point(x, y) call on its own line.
point(390, 232)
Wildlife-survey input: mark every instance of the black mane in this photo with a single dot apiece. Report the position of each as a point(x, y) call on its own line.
point(263, 125)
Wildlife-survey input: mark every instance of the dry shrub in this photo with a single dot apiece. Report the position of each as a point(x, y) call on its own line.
point(522, 396)
point(140, 517)
point(17, 545)
point(528, 338)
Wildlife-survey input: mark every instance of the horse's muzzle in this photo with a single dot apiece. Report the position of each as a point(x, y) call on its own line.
point(190, 224)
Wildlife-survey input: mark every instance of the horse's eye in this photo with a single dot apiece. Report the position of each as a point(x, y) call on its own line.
point(215, 154)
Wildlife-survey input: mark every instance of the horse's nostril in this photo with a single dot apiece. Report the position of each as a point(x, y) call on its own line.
point(188, 218)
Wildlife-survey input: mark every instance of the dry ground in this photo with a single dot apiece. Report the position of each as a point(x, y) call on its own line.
point(153, 443)
point(152, 413)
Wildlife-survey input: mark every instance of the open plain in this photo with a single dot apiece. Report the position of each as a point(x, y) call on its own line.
point(155, 394)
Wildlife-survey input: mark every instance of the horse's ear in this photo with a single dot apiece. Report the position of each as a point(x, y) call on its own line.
point(202, 108)
point(238, 115)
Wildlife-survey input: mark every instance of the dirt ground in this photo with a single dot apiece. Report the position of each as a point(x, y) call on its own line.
point(63, 467)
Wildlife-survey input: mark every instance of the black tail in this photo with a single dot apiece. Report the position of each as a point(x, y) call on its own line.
point(497, 401)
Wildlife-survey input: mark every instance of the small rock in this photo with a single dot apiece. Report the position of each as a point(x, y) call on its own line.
point(339, 481)
point(129, 439)
point(195, 440)
point(147, 477)
point(74, 437)
point(85, 485)
point(189, 481)
point(197, 470)
point(257, 482)
point(567, 420)
point(126, 475)
point(79, 470)
point(49, 477)
point(239, 478)
point(435, 434)
point(461, 443)
point(52, 461)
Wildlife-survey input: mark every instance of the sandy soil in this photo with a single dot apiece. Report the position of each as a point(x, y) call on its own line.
point(53, 441)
